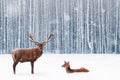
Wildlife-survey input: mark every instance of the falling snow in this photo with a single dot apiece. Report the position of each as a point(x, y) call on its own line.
point(79, 26)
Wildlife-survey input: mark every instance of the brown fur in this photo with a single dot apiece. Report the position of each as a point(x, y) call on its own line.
point(28, 54)
point(69, 70)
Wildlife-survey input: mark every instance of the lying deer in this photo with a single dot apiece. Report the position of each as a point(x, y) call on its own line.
point(69, 70)
point(29, 54)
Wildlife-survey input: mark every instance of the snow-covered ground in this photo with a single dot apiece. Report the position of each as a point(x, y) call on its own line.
point(48, 67)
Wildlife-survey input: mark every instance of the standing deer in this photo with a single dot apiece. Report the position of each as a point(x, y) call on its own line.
point(69, 70)
point(29, 54)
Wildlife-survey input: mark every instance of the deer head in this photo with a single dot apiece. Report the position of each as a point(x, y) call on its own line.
point(66, 64)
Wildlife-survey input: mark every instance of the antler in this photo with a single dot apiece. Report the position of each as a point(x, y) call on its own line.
point(48, 39)
point(31, 39)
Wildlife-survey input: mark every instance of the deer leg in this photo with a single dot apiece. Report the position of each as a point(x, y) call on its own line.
point(32, 67)
point(14, 66)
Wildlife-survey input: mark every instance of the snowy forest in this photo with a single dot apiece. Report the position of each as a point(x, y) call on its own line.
point(78, 26)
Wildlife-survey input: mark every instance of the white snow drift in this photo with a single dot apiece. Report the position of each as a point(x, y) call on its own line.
point(48, 67)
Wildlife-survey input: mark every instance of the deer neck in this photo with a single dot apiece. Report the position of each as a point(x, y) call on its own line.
point(38, 50)
point(69, 70)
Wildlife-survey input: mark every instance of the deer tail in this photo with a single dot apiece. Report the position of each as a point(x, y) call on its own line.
point(13, 56)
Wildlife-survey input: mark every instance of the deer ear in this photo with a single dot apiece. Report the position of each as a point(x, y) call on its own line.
point(68, 62)
point(64, 61)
